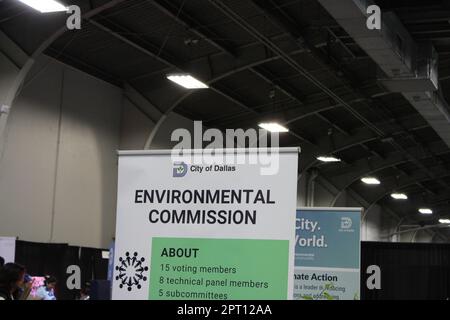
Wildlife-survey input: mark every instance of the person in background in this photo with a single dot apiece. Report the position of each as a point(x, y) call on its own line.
point(47, 291)
point(23, 292)
point(11, 279)
point(84, 294)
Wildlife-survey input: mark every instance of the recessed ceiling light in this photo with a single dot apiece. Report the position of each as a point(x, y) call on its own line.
point(328, 159)
point(446, 221)
point(45, 6)
point(370, 180)
point(425, 211)
point(399, 196)
point(187, 81)
point(273, 127)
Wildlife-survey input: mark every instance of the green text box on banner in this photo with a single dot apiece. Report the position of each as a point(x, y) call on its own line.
point(188, 268)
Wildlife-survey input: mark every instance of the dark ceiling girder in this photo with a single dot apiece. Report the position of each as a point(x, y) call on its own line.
point(82, 65)
point(265, 74)
point(340, 143)
point(291, 27)
point(208, 34)
point(287, 59)
point(300, 99)
point(420, 184)
point(151, 51)
point(192, 25)
point(269, 77)
point(250, 55)
point(440, 196)
point(421, 16)
point(341, 172)
point(229, 12)
point(234, 100)
point(175, 65)
point(313, 104)
point(368, 167)
point(373, 152)
point(332, 124)
point(412, 205)
point(205, 33)
point(378, 193)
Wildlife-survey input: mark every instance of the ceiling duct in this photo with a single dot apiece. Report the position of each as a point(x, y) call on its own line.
point(426, 73)
point(407, 67)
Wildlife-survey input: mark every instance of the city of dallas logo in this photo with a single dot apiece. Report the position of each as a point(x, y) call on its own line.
point(179, 169)
point(346, 225)
point(221, 147)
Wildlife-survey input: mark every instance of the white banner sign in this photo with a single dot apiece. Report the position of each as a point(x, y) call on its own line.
point(213, 231)
point(8, 248)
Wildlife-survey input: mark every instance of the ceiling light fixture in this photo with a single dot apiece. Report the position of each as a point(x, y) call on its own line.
point(328, 159)
point(370, 180)
point(187, 81)
point(445, 221)
point(425, 211)
point(45, 6)
point(273, 127)
point(399, 196)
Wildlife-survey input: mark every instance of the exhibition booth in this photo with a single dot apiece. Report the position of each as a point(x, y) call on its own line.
point(428, 264)
point(191, 231)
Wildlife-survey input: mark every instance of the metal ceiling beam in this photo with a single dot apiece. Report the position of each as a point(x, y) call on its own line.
point(403, 171)
point(342, 173)
point(255, 33)
point(394, 64)
point(371, 151)
point(84, 66)
point(313, 104)
point(193, 25)
point(151, 53)
point(429, 190)
point(411, 17)
point(227, 11)
point(366, 167)
point(245, 55)
point(390, 185)
point(246, 58)
point(282, 86)
point(442, 195)
point(297, 32)
point(332, 124)
point(410, 207)
point(341, 143)
point(438, 200)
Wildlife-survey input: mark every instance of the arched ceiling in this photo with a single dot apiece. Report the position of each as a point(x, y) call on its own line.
point(283, 58)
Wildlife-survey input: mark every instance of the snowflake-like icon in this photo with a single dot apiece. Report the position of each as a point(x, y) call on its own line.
point(131, 271)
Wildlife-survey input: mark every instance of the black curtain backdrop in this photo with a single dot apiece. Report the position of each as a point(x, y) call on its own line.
point(42, 259)
point(408, 270)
